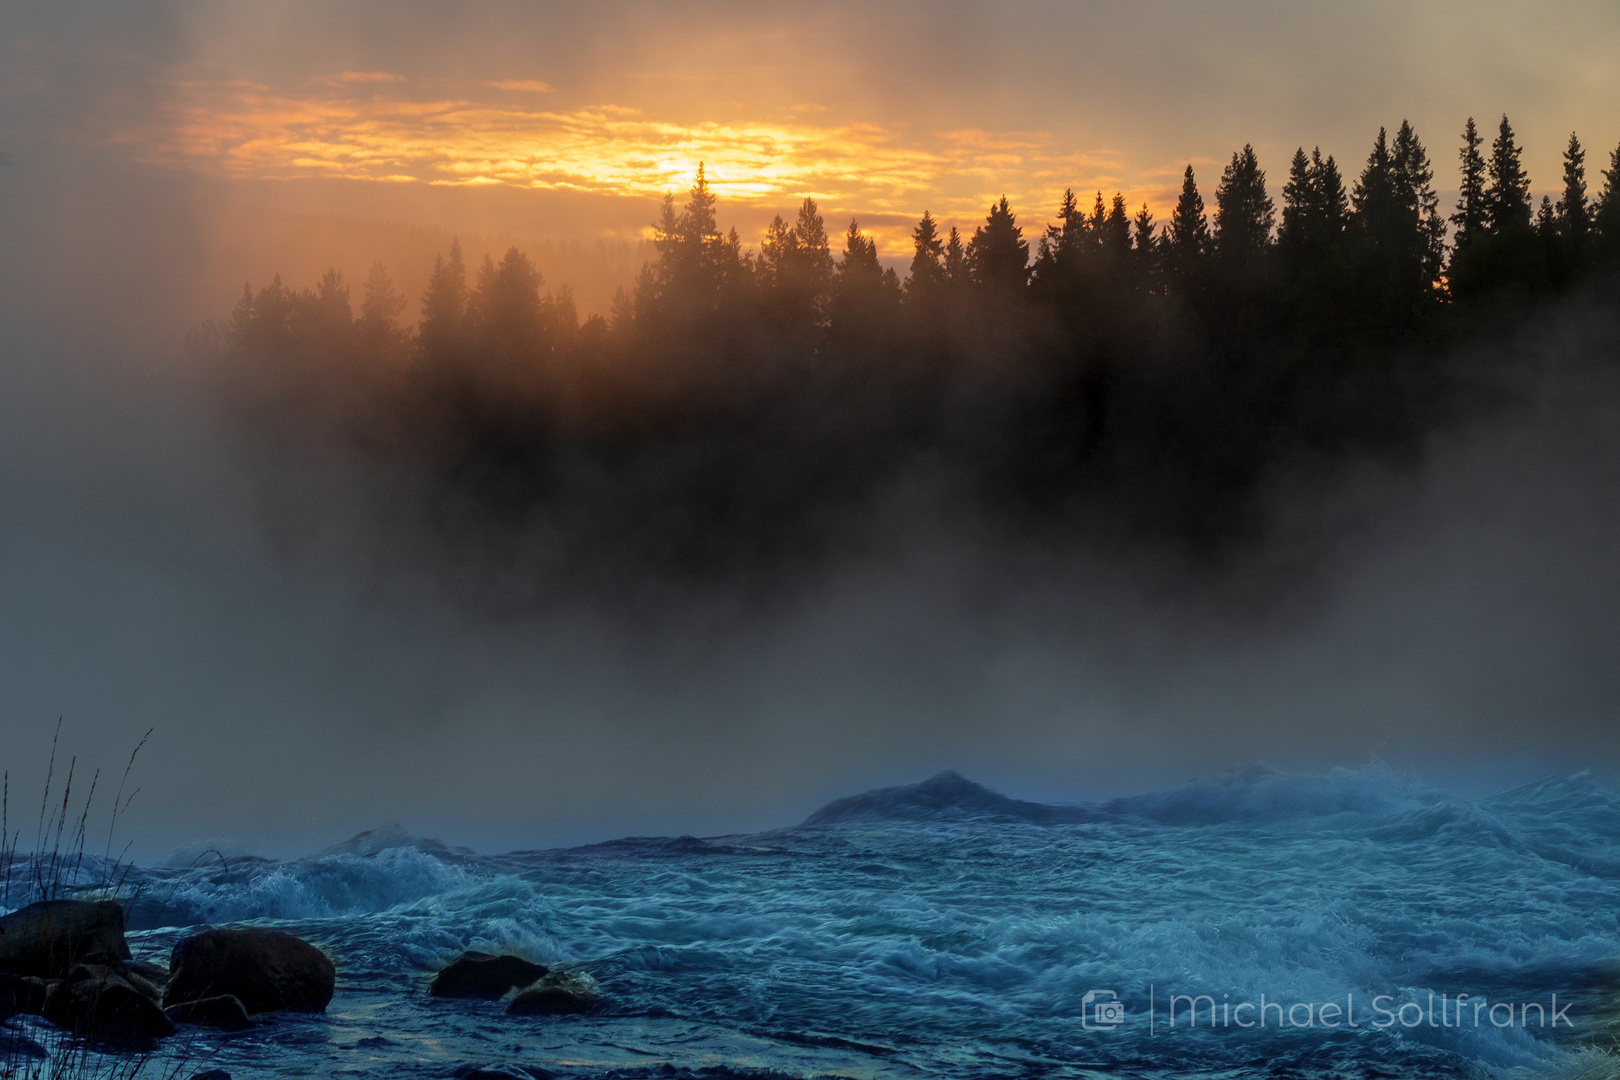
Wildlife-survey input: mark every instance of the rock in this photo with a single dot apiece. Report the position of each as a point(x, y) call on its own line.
point(268, 970)
point(156, 974)
point(145, 986)
point(22, 994)
point(558, 992)
point(224, 1011)
point(96, 1000)
point(212, 1074)
point(48, 938)
point(480, 975)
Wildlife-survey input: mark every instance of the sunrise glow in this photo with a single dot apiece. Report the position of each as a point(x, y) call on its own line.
point(344, 127)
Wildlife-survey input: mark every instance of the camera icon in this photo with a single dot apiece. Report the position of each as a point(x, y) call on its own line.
point(1101, 1010)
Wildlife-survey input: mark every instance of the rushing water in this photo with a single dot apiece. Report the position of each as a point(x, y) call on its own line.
point(941, 930)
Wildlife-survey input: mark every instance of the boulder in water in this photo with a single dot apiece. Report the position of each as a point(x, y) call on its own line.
point(480, 975)
point(97, 1001)
point(267, 970)
point(224, 1011)
point(156, 974)
point(558, 992)
point(49, 938)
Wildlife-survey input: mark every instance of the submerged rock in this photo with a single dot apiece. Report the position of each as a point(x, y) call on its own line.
point(22, 994)
point(224, 1011)
point(558, 992)
point(14, 1046)
point(96, 1000)
point(212, 1074)
point(268, 970)
point(480, 975)
point(495, 1072)
point(47, 939)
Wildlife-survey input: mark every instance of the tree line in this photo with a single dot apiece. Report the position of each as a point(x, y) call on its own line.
point(1118, 379)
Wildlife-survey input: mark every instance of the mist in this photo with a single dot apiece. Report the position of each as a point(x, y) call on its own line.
point(1454, 614)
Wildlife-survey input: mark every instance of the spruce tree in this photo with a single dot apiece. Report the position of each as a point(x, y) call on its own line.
point(324, 317)
point(1064, 246)
point(1315, 212)
point(1574, 215)
point(926, 274)
point(957, 273)
point(860, 258)
point(1243, 211)
point(1301, 209)
point(1187, 240)
point(1099, 216)
point(695, 263)
point(379, 315)
point(1472, 216)
point(1145, 249)
point(1142, 238)
point(812, 234)
point(794, 269)
point(1374, 193)
point(444, 306)
point(1547, 221)
point(1422, 229)
point(506, 306)
point(863, 292)
point(1606, 215)
point(1335, 201)
point(1507, 255)
point(699, 226)
point(1115, 234)
point(1507, 198)
point(998, 254)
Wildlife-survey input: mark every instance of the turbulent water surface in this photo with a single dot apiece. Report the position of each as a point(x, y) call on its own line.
point(941, 930)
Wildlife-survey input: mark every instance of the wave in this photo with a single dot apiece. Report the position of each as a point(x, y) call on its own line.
point(373, 842)
point(1259, 792)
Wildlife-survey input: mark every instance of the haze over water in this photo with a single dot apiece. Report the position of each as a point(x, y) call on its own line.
point(781, 524)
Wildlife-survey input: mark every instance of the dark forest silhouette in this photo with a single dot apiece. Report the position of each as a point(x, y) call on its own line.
point(1116, 381)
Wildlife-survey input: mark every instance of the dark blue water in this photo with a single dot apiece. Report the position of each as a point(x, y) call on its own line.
point(944, 931)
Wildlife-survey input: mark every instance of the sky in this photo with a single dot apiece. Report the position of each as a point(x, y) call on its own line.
point(153, 159)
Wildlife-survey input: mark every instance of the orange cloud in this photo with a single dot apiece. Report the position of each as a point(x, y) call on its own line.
point(859, 169)
point(533, 86)
point(350, 77)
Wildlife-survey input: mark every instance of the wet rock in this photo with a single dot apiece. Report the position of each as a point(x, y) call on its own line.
point(558, 992)
point(22, 994)
point(480, 975)
point(523, 1072)
point(212, 1074)
point(145, 986)
point(96, 1000)
point(47, 939)
point(224, 1011)
point(268, 970)
point(156, 974)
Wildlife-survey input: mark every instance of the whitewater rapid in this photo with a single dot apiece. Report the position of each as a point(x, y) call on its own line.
point(941, 930)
